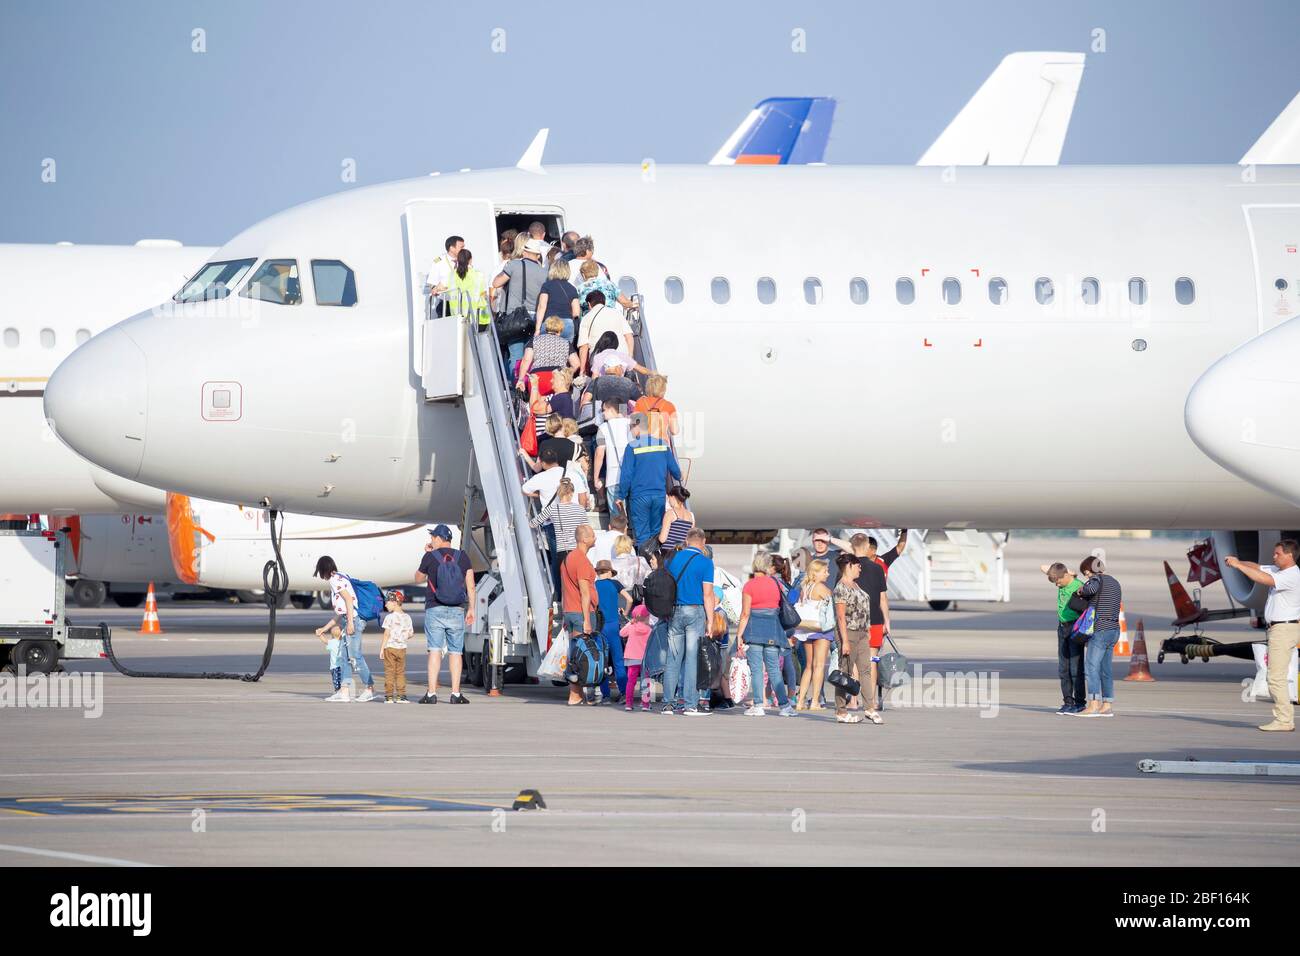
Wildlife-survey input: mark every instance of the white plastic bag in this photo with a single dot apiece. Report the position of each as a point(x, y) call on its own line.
point(738, 684)
point(1259, 690)
point(556, 661)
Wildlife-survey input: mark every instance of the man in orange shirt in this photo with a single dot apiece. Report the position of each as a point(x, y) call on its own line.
point(578, 585)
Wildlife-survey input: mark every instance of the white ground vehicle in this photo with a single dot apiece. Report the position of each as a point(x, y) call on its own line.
point(34, 630)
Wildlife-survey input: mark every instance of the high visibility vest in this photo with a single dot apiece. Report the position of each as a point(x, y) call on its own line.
point(468, 297)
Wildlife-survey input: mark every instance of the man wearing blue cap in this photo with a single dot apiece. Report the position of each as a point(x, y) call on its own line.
point(447, 610)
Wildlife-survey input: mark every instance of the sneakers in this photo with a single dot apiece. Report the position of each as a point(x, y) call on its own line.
point(388, 700)
point(429, 699)
point(1065, 709)
point(756, 711)
point(704, 707)
point(343, 695)
point(458, 699)
point(667, 710)
point(1273, 725)
point(402, 699)
point(365, 695)
point(787, 710)
point(628, 708)
point(848, 718)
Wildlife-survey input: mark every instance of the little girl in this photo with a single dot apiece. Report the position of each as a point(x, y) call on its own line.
point(637, 632)
point(338, 652)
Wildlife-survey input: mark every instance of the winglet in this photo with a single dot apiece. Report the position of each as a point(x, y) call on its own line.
point(531, 161)
point(1280, 143)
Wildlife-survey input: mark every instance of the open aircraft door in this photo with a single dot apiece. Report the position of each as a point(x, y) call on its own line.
point(437, 353)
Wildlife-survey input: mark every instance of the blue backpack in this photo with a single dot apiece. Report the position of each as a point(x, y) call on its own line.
point(587, 664)
point(449, 579)
point(370, 600)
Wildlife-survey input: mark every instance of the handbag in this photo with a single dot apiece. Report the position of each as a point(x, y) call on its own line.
point(892, 669)
point(785, 611)
point(1084, 626)
point(517, 325)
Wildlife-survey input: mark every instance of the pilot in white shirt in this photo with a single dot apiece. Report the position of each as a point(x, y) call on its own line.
point(440, 269)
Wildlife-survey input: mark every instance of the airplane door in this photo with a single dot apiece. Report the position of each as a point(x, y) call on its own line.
point(1275, 244)
point(426, 224)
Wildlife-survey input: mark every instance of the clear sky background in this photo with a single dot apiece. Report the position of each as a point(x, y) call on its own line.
point(154, 140)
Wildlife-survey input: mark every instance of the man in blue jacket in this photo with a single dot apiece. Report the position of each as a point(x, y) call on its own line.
point(643, 479)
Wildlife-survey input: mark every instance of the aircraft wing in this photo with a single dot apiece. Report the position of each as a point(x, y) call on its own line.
point(780, 130)
point(1280, 143)
point(1018, 117)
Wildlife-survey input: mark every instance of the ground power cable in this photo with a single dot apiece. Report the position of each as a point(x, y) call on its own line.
point(275, 584)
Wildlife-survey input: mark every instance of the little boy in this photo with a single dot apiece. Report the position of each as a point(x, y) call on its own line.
point(331, 635)
point(1069, 652)
point(392, 651)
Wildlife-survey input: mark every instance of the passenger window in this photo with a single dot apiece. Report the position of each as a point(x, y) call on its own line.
point(720, 288)
point(1137, 291)
point(47, 338)
point(276, 280)
point(812, 291)
point(766, 291)
point(998, 291)
point(1044, 290)
point(335, 282)
point(214, 281)
point(1184, 291)
point(83, 336)
point(627, 286)
point(951, 291)
point(1090, 289)
point(905, 291)
point(11, 338)
point(859, 292)
point(673, 290)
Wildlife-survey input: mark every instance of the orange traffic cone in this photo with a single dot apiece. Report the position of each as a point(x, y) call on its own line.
point(150, 624)
point(1139, 668)
point(1122, 647)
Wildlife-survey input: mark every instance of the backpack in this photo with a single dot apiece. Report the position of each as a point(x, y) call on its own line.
point(370, 600)
point(449, 579)
point(661, 589)
point(587, 664)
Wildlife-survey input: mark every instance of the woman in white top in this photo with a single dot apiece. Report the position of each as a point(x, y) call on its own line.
point(629, 567)
point(344, 598)
point(815, 607)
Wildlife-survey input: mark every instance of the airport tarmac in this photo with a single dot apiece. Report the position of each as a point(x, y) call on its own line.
point(283, 778)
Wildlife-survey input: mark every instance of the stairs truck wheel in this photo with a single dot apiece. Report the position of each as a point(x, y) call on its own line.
point(38, 657)
point(939, 605)
point(128, 598)
point(86, 593)
point(323, 601)
point(474, 668)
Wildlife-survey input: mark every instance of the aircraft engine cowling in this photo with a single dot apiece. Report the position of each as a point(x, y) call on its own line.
point(1249, 546)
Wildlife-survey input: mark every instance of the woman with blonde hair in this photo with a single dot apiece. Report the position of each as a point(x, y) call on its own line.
point(661, 412)
point(545, 353)
point(629, 567)
point(559, 298)
point(592, 279)
point(816, 629)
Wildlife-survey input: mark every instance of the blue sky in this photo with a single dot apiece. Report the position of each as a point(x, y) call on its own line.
point(154, 140)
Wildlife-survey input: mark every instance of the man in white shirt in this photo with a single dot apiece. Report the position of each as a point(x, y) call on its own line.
point(546, 482)
point(440, 269)
point(603, 549)
point(611, 441)
point(1282, 614)
point(602, 318)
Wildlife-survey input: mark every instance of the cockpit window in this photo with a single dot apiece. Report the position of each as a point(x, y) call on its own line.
point(335, 283)
point(214, 280)
point(276, 280)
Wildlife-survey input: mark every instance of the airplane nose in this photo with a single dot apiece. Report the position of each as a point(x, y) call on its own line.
point(96, 402)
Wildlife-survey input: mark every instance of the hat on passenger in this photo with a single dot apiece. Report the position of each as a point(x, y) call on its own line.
point(398, 595)
point(640, 611)
point(441, 531)
point(537, 246)
point(604, 567)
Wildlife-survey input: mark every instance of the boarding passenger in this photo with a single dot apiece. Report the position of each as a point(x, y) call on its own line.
point(678, 520)
point(603, 549)
point(1104, 595)
point(1282, 614)
point(629, 567)
point(643, 478)
point(637, 632)
point(853, 625)
point(1069, 652)
point(567, 243)
point(693, 570)
point(590, 278)
point(781, 575)
point(522, 277)
point(545, 354)
point(662, 413)
point(599, 319)
point(439, 280)
point(559, 298)
point(612, 437)
point(871, 579)
point(887, 559)
point(566, 516)
point(578, 580)
point(609, 359)
point(354, 625)
point(760, 637)
point(398, 631)
point(615, 603)
point(815, 608)
point(331, 635)
point(448, 609)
